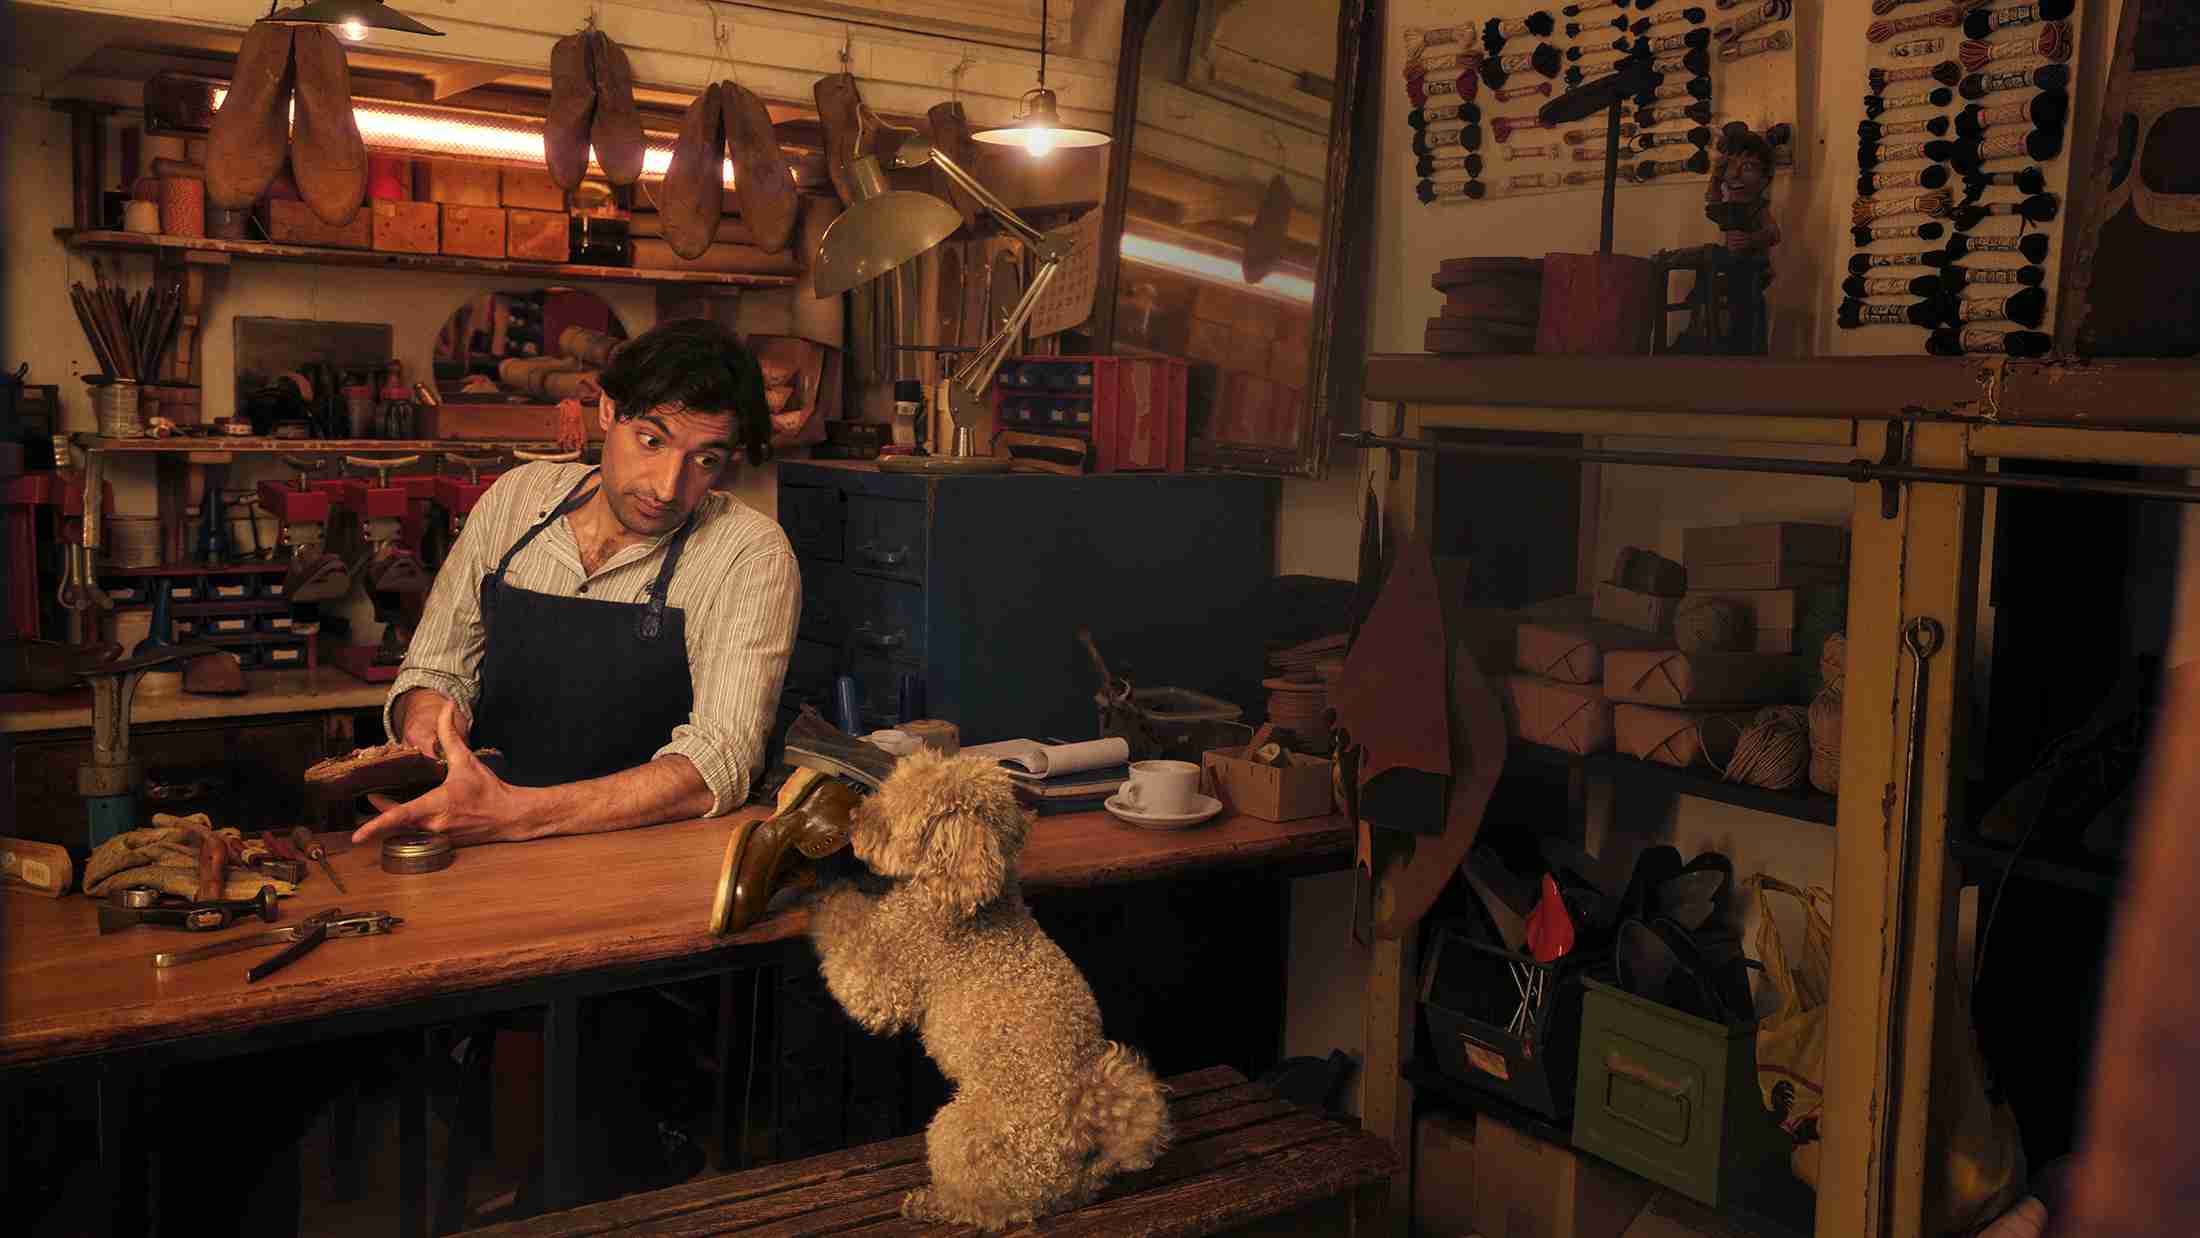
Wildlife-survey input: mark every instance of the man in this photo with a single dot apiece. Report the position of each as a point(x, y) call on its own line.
point(619, 633)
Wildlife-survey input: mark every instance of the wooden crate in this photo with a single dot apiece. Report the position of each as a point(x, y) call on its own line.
point(474, 231)
point(454, 183)
point(530, 189)
point(540, 236)
point(408, 227)
point(291, 222)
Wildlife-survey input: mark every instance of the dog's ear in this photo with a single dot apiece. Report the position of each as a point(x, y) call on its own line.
point(974, 830)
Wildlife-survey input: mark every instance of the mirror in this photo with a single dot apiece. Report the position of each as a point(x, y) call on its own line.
point(1237, 126)
point(527, 347)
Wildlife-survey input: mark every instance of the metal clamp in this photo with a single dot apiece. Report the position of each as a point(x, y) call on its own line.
point(303, 467)
point(545, 457)
point(381, 467)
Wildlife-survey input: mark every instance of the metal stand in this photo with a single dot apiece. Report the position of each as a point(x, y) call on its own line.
point(109, 782)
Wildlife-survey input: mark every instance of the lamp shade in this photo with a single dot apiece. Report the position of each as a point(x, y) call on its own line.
point(879, 231)
point(1040, 130)
point(352, 14)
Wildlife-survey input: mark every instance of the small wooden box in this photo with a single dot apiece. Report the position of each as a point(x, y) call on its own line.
point(474, 231)
point(1264, 791)
point(457, 184)
point(539, 236)
point(408, 227)
point(291, 222)
point(531, 189)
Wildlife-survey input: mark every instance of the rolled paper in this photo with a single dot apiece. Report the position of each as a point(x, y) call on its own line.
point(1429, 165)
point(1430, 141)
point(2052, 41)
point(1420, 36)
point(1671, 17)
point(1963, 277)
point(1509, 93)
point(1875, 131)
point(1699, 136)
point(1916, 49)
point(2026, 181)
point(1777, 41)
point(1970, 154)
point(2046, 110)
point(1683, 40)
point(1422, 118)
point(1763, 15)
point(1693, 87)
point(2032, 246)
point(1650, 169)
point(1595, 137)
point(1588, 154)
point(1855, 313)
point(1698, 112)
point(2026, 309)
point(1898, 232)
point(1471, 191)
point(1552, 150)
point(1503, 127)
point(1947, 73)
point(1462, 87)
point(1914, 178)
point(1695, 61)
point(1981, 22)
point(1870, 155)
point(1463, 61)
point(1865, 264)
point(1878, 105)
point(1576, 10)
point(1990, 340)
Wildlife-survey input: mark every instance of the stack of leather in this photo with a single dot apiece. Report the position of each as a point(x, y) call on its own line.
point(1490, 306)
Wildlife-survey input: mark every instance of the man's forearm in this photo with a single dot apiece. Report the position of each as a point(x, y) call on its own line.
point(666, 789)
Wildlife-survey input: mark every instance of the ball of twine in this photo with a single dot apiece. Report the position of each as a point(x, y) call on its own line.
point(1774, 751)
point(1833, 660)
point(1711, 625)
point(1825, 740)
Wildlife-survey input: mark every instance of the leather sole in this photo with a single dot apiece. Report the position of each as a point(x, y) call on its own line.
point(250, 136)
point(616, 131)
point(327, 154)
point(572, 110)
point(840, 109)
point(762, 183)
point(694, 187)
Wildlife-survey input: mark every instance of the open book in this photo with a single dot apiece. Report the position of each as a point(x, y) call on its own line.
point(1030, 761)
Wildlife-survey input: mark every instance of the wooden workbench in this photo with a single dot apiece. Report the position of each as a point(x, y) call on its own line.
point(161, 698)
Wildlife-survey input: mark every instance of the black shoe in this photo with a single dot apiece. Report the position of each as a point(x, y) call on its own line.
point(814, 743)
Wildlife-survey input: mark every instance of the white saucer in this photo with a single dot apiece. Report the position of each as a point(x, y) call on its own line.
point(1208, 807)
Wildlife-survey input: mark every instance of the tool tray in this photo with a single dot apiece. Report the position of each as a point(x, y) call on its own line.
point(1501, 1021)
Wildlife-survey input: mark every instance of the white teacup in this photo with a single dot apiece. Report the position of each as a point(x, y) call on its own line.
point(1161, 788)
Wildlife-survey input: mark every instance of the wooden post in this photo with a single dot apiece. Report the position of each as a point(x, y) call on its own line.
point(1386, 1099)
point(1922, 562)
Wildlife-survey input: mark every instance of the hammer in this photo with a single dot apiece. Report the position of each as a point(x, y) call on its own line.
point(129, 908)
point(213, 858)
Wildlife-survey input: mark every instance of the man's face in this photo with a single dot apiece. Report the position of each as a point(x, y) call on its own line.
point(658, 465)
point(1745, 179)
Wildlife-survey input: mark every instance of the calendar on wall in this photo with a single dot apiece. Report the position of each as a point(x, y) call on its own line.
point(1067, 302)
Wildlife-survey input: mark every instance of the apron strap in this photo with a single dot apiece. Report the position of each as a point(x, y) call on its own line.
point(494, 580)
point(653, 610)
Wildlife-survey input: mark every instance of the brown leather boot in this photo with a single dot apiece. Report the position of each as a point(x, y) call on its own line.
point(251, 133)
point(812, 821)
point(761, 179)
point(617, 130)
point(326, 153)
point(316, 578)
point(694, 189)
point(840, 109)
point(950, 134)
point(572, 111)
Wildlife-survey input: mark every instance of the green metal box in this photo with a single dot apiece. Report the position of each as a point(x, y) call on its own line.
point(1672, 1097)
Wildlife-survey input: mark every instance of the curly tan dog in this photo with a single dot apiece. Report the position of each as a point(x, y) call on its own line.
point(1045, 1109)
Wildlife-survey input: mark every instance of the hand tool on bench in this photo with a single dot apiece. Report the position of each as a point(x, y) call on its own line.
point(309, 846)
point(137, 905)
point(280, 860)
point(109, 782)
point(300, 938)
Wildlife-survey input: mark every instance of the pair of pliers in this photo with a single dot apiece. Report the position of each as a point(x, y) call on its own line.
point(300, 939)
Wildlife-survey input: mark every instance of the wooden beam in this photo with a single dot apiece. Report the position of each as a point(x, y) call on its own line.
point(457, 79)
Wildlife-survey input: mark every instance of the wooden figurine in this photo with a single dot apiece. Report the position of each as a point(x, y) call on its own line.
point(1738, 202)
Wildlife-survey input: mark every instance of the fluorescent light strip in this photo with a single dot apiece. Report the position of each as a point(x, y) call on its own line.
point(402, 130)
point(1152, 252)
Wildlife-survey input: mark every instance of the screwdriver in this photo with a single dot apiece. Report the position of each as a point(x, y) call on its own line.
point(303, 839)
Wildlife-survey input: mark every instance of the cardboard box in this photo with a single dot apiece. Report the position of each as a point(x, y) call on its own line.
point(1644, 612)
point(408, 227)
point(1576, 652)
point(291, 222)
point(1776, 542)
point(538, 236)
point(1443, 1174)
point(1263, 791)
point(529, 189)
point(1570, 717)
point(474, 231)
point(1671, 677)
point(1678, 737)
point(1772, 614)
point(1724, 577)
point(1526, 1188)
point(454, 183)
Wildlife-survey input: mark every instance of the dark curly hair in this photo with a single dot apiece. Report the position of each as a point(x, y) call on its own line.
point(694, 365)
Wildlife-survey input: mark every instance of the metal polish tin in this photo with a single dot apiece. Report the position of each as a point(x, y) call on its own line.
point(416, 853)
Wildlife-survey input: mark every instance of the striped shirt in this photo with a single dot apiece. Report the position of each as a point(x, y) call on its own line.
point(736, 582)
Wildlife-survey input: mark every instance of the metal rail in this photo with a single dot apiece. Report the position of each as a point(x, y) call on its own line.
point(1860, 471)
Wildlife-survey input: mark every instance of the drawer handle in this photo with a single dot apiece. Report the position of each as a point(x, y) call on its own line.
point(881, 640)
point(1619, 1067)
point(883, 557)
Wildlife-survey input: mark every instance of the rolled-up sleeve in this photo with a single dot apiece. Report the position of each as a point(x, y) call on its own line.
point(444, 654)
point(738, 645)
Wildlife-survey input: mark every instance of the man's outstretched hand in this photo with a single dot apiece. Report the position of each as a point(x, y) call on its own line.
point(472, 806)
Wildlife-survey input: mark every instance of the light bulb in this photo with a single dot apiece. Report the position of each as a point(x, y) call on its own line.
point(353, 29)
point(1039, 141)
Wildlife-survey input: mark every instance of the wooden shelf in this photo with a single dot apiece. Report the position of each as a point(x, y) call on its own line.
point(1771, 1213)
point(218, 252)
point(1809, 806)
point(2144, 394)
point(205, 443)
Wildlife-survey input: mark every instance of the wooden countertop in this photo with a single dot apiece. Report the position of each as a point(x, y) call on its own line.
point(500, 914)
point(160, 698)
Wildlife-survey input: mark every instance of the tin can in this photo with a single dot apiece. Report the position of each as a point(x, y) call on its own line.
point(416, 853)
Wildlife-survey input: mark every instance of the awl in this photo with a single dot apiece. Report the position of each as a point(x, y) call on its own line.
point(303, 839)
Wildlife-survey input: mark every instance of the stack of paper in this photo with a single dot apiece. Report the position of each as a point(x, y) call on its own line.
point(1056, 778)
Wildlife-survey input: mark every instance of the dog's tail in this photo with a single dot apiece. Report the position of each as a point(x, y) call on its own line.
point(1123, 1114)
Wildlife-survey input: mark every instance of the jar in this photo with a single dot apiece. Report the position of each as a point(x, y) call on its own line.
point(115, 406)
point(182, 206)
point(139, 215)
